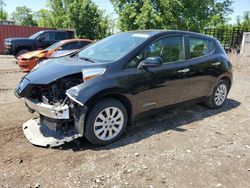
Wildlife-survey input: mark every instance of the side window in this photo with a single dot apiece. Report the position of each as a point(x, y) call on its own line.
point(49, 36)
point(69, 46)
point(61, 35)
point(82, 44)
point(170, 49)
point(199, 47)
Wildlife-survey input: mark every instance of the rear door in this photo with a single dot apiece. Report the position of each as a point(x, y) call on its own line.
point(203, 66)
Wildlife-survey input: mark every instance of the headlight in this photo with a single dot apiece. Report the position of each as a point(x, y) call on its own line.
point(92, 73)
point(7, 43)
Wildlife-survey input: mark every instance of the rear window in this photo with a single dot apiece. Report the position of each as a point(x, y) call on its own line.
point(200, 47)
point(70, 46)
point(82, 44)
point(61, 35)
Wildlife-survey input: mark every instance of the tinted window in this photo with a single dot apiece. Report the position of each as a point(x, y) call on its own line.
point(69, 46)
point(199, 47)
point(54, 46)
point(82, 44)
point(47, 36)
point(170, 49)
point(61, 35)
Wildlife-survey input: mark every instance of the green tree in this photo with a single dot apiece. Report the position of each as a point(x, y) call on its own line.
point(87, 19)
point(246, 19)
point(23, 16)
point(192, 15)
point(44, 18)
point(3, 14)
point(58, 11)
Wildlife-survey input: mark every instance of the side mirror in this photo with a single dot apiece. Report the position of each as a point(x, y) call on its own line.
point(151, 62)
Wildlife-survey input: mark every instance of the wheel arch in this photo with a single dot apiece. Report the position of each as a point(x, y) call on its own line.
point(118, 96)
point(227, 76)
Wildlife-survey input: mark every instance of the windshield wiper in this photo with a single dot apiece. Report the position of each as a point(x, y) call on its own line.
point(86, 59)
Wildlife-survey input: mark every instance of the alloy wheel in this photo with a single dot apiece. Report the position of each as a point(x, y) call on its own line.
point(108, 123)
point(220, 94)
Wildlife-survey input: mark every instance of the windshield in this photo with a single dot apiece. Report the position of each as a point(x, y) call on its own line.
point(53, 46)
point(34, 36)
point(113, 47)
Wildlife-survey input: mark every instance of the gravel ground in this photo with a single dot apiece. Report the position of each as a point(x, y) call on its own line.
point(187, 147)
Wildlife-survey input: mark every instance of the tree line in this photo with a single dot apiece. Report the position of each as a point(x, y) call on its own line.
point(91, 22)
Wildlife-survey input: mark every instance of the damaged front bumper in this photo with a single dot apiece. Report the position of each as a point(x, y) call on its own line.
point(39, 134)
point(56, 125)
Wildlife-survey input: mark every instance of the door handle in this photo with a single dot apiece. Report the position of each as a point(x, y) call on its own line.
point(216, 64)
point(183, 70)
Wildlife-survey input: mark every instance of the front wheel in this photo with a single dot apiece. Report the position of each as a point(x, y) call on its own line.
point(106, 121)
point(219, 95)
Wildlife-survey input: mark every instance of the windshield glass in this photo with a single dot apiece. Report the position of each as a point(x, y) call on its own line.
point(113, 47)
point(34, 36)
point(53, 46)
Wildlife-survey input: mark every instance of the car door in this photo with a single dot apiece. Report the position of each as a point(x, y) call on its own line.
point(203, 66)
point(167, 84)
point(46, 39)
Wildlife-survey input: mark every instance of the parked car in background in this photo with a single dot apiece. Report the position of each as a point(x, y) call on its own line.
point(39, 40)
point(29, 60)
point(105, 86)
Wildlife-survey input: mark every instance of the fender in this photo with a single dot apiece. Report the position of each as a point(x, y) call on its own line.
point(87, 93)
point(228, 75)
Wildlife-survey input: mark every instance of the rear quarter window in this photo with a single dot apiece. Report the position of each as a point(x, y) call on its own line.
point(61, 35)
point(199, 47)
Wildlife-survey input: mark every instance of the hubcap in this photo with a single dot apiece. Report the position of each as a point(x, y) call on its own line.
point(220, 94)
point(108, 123)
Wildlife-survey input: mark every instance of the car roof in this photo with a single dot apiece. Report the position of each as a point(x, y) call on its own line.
point(75, 40)
point(157, 32)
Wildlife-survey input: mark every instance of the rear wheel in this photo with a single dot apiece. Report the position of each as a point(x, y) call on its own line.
point(219, 95)
point(106, 121)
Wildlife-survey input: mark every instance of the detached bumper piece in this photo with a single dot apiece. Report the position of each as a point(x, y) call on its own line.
point(53, 128)
point(39, 134)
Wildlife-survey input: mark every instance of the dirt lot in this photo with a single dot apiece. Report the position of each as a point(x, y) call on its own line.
point(187, 147)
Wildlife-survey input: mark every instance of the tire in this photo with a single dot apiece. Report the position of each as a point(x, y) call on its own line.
point(20, 52)
point(219, 95)
point(100, 129)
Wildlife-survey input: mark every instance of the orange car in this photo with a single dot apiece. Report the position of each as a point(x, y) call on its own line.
point(29, 60)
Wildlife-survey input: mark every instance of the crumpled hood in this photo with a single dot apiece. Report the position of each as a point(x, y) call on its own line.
point(29, 55)
point(57, 68)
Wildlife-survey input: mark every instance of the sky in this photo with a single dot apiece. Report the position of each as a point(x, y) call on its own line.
point(239, 6)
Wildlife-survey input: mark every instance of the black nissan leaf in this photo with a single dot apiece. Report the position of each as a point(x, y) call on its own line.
point(97, 92)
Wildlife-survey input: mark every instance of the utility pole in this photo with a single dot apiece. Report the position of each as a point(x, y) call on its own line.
point(1, 7)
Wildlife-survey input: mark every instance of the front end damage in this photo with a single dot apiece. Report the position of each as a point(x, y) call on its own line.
point(61, 118)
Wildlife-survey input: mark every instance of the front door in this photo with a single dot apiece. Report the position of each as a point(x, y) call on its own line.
point(46, 39)
point(168, 83)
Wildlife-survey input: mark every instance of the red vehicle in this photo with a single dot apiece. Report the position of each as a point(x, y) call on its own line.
point(28, 61)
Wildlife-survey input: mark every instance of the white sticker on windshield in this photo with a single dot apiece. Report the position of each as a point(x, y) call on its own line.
point(140, 35)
